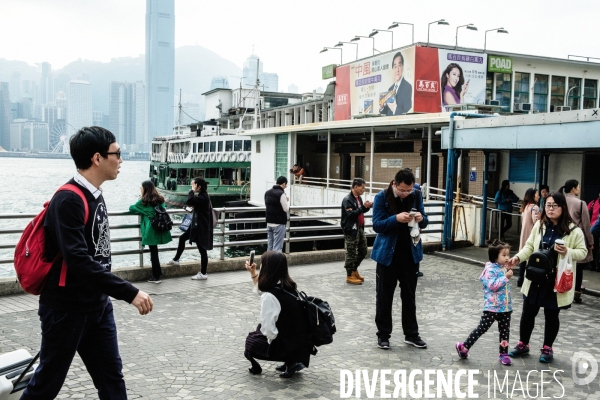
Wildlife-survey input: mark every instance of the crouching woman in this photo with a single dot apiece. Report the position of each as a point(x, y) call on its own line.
point(283, 333)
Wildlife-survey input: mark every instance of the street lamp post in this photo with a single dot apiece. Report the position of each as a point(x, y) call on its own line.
point(376, 31)
point(334, 48)
point(395, 25)
point(356, 38)
point(469, 26)
point(439, 22)
point(499, 30)
point(340, 44)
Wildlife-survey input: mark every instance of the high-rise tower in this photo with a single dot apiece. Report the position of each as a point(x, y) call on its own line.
point(160, 67)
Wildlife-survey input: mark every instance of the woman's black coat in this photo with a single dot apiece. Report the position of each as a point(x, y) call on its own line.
point(201, 229)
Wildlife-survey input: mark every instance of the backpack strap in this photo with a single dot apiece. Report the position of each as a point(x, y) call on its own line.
point(75, 189)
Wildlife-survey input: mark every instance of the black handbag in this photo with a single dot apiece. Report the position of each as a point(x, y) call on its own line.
point(541, 265)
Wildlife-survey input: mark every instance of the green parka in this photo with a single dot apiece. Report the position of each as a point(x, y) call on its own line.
point(150, 236)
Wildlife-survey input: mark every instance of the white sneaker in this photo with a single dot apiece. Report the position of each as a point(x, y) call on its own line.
point(173, 262)
point(200, 277)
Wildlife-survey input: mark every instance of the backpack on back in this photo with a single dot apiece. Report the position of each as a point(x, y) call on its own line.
point(31, 265)
point(320, 318)
point(541, 266)
point(162, 221)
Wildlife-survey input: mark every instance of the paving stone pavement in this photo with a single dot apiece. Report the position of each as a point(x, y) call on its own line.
point(191, 346)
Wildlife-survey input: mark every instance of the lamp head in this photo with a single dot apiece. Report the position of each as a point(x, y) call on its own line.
point(472, 27)
point(324, 50)
point(375, 32)
point(442, 22)
point(502, 30)
point(355, 38)
point(340, 44)
point(393, 25)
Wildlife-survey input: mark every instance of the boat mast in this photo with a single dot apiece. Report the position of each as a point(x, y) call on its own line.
point(257, 103)
point(179, 112)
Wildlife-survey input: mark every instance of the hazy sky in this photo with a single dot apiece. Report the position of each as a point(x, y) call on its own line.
point(288, 35)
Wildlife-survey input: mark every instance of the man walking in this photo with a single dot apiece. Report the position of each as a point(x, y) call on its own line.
point(398, 251)
point(78, 317)
point(277, 206)
point(353, 224)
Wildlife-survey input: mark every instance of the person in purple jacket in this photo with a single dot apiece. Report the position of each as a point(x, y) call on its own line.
point(78, 317)
point(497, 305)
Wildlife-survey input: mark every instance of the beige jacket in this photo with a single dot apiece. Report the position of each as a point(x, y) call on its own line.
point(581, 218)
point(575, 244)
point(529, 217)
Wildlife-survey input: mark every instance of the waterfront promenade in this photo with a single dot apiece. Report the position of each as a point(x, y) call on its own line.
point(191, 345)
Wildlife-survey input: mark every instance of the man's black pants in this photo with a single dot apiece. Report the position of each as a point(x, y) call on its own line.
point(94, 337)
point(404, 272)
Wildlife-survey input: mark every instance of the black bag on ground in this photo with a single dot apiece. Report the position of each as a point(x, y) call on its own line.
point(541, 266)
point(320, 318)
point(162, 221)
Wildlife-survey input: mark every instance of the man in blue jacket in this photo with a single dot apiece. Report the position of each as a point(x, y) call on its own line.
point(398, 251)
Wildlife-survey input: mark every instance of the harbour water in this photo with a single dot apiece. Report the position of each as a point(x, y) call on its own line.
point(28, 183)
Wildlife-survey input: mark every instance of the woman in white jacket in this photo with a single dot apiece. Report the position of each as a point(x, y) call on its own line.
point(555, 223)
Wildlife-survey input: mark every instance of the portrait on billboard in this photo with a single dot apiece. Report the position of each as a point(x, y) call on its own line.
point(453, 85)
point(397, 100)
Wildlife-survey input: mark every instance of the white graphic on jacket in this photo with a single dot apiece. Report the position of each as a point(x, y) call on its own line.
point(102, 230)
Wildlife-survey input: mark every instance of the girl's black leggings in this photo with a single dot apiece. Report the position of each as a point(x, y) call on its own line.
point(487, 319)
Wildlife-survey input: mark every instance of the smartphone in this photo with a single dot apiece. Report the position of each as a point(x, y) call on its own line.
point(413, 212)
point(188, 209)
point(252, 257)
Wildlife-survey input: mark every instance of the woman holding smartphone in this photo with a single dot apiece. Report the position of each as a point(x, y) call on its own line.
point(283, 333)
point(555, 229)
point(453, 85)
point(201, 228)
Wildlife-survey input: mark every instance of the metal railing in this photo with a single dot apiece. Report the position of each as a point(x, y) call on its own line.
point(228, 236)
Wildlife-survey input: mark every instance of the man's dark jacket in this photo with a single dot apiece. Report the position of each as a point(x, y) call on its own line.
point(350, 218)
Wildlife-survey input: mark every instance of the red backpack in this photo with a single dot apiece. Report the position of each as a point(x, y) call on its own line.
point(30, 264)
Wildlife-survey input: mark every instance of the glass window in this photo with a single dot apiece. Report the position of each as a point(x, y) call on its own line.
point(521, 167)
point(194, 147)
point(540, 93)
point(206, 147)
point(503, 88)
point(212, 172)
point(489, 85)
point(213, 147)
point(247, 145)
point(521, 87)
point(574, 93)
point(557, 93)
point(229, 145)
point(220, 146)
point(590, 93)
point(237, 145)
point(197, 173)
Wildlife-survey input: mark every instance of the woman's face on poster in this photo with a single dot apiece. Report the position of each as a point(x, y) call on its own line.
point(453, 77)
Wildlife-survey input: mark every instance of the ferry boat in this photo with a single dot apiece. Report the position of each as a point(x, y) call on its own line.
point(220, 156)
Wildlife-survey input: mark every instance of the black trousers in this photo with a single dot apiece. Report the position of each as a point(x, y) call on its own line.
point(203, 253)
point(156, 270)
point(404, 273)
point(551, 326)
point(579, 276)
point(596, 264)
point(487, 319)
point(505, 223)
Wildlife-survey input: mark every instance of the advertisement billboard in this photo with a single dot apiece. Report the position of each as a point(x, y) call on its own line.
point(413, 80)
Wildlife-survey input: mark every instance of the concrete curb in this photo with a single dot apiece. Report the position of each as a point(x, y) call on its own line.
point(10, 286)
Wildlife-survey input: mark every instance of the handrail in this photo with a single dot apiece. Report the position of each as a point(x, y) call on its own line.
point(224, 232)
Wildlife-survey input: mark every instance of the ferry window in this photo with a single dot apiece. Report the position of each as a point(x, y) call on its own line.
point(258, 146)
point(182, 177)
point(229, 145)
point(206, 145)
point(574, 93)
point(247, 145)
point(590, 93)
point(521, 87)
point(503, 88)
point(194, 147)
point(213, 147)
point(212, 173)
point(198, 173)
point(540, 93)
point(557, 93)
point(227, 176)
point(237, 145)
point(220, 146)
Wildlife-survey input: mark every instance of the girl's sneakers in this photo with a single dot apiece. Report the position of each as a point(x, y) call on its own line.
point(504, 359)
point(547, 354)
point(462, 351)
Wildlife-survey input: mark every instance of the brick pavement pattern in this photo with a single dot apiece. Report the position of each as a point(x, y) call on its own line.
point(191, 346)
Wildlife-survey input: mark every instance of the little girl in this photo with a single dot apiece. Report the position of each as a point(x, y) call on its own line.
point(497, 304)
